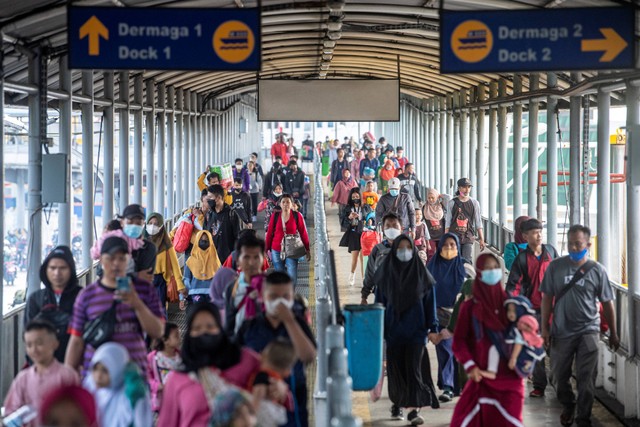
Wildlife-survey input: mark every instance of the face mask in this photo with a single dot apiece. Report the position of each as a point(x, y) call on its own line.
point(404, 255)
point(491, 277)
point(394, 193)
point(152, 229)
point(205, 343)
point(577, 256)
point(237, 190)
point(238, 167)
point(211, 203)
point(522, 246)
point(277, 194)
point(133, 230)
point(391, 233)
point(203, 244)
point(449, 254)
point(356, 201)
point(270, 306)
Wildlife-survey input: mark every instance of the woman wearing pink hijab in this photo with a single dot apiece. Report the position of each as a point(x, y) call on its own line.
point(433, 213)
point(481, 325)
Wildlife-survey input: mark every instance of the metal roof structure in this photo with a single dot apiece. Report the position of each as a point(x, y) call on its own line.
point(368, 39)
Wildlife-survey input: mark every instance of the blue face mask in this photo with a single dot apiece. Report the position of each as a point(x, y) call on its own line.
point(394, 193)
point(522, 246)
point(491, 277)
point(133, 230)
point(577, 256)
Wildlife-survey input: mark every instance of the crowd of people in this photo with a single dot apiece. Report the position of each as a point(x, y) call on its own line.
point(106, 356)
point(491, 330)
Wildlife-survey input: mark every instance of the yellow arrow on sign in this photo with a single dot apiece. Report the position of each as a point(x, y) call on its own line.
point(612, 44)
point(94, 29)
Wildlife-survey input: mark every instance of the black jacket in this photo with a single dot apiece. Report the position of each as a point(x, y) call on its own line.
point(294, 183)
point(224, 226)
point(270, 181)
point(42, 304)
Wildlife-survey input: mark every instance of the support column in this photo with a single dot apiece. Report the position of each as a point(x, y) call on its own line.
point(171, 151)
point(502, 157)
point(186, 150)
point(87, 169)
point(633, 207)
point(532, 196)
point(574, 154)
point(457, 144)
point(493, 157)
point(64, 124)
point(473, 141)
point(604, 185)
point(149, 145)
point(464, 135)
point(195, 144)
point(137, 140)
point(109, 143)
point(123, 143)
point(162, 134)
point(481, 154)
point(37, 135)
point(437, 145)
point(179, 150)
point(2, 208)
point(517, 150)
point(552, 165)
point(443, 148)
point(432, 143)
point(450, 176)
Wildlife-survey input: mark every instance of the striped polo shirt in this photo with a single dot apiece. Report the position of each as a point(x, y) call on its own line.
point(95, 299)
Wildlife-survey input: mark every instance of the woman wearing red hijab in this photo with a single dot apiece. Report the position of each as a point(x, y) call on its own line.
point(481, 325)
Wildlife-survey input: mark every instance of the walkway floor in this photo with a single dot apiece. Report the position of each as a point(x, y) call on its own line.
point(537, 412)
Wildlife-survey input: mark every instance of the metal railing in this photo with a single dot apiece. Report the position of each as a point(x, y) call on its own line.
point(333, 383)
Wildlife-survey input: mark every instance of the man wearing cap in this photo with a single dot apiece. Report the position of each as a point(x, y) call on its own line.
point(463, 218)
point(410, 184)
point(525, 278)
point(143, 260)
point(399, 204)
point(55, 302)
point(137, 307)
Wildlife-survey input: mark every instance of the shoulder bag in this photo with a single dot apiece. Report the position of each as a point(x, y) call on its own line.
point(100, 330)
point(292, 246)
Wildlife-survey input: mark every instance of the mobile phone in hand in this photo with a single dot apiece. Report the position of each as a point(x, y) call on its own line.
point(123, 283)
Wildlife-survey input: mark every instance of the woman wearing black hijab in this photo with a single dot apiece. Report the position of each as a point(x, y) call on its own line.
point(208, 356)
point(405, 288)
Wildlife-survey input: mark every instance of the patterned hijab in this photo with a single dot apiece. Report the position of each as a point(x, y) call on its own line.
point(433, 212)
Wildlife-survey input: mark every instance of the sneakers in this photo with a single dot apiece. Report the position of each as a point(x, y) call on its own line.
point(414, 418)
point(352, 278)
point(446, 396)
point(396, 413)
point(536, 392)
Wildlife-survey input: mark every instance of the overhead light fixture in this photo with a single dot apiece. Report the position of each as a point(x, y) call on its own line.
point(324, 67)
point(334, 35)
point(329, 43)
point(327, 51)
point(327, 57)
point(334, 23)
point(335, 5)
point(322, 74)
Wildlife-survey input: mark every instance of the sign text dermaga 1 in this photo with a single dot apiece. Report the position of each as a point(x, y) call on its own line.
point(164, 38)
point(537, 40)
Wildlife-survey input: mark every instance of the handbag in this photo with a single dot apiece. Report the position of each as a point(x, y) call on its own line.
point(182, 237)
point(100, 330)
point(292, 243)
point(172, 285)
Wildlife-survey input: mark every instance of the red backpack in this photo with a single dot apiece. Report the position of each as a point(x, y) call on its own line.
point(182, 238)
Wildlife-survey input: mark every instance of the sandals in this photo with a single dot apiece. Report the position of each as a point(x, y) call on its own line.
point(566, 418)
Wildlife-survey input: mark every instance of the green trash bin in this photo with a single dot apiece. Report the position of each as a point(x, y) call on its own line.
point(325, 165)
point(364, 326)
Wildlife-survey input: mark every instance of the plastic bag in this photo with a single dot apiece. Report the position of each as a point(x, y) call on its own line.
point(182, 238)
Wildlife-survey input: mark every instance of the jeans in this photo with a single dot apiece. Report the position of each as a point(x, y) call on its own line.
point(289, 265)
point(467, 251)
point(254, 204)
point(584, 348)
point(305, 207)
point(446, 364)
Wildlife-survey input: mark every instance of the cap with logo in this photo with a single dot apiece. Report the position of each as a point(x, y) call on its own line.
point(113, 245)
point(133, 211)
point(394, 183)
point(464, 182)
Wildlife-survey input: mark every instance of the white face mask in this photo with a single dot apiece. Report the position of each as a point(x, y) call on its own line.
point(391, 233)
point(404, 255)
point(238, 167)
point(152, 229)
point(270, 306)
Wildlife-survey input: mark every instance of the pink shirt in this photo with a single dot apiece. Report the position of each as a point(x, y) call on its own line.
point(185, 404)
point(29, 386)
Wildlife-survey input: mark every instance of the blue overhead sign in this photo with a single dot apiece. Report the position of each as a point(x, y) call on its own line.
point(164, 38)
point(537, 40)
